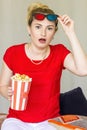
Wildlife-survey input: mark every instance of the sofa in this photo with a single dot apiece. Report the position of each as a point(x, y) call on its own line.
point(71, 102)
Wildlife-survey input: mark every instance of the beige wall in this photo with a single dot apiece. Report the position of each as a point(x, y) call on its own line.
point(13, 30)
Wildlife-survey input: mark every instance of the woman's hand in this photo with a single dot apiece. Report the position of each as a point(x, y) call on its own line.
point(10, 93)
point(67, 23)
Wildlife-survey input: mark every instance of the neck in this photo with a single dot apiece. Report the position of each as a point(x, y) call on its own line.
point(38, 53)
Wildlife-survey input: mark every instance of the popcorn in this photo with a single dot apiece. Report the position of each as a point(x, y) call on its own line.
point(22, 77)
point(20, 86)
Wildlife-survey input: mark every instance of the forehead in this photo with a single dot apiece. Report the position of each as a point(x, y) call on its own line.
point(44, 22)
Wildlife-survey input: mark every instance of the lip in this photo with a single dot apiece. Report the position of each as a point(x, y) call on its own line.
point(42, 40)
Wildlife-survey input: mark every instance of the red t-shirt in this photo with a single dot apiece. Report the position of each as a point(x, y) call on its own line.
point(43, 101)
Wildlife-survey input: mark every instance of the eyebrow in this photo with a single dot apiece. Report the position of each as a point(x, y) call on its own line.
point(42, 25)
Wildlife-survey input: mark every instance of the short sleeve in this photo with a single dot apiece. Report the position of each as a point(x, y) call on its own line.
point(8, 57)
point(66, 51)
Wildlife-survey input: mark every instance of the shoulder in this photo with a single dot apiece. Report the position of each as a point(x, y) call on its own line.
point(58, 47)
point(13, 50)
point(15, 47)
point(59, 50)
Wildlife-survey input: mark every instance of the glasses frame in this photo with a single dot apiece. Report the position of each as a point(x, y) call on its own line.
point(50, 17)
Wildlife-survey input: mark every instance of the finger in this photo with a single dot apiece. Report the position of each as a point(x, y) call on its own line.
point(10, 93)
point(64, 16)
point(60, 18)
point(66, 19)
point(9, 98)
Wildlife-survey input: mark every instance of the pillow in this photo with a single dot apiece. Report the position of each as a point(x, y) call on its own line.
point(73, 102)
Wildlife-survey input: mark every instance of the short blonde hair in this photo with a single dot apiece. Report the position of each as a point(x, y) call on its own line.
point(38, 7)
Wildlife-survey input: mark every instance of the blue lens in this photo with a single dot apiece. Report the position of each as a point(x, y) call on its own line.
point(51, 17)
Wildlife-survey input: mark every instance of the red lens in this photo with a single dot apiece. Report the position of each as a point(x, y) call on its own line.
point(39, 16)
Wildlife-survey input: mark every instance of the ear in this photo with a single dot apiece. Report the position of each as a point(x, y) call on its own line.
point(28, 28)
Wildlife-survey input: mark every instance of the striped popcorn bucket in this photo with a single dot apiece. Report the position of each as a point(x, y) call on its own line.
point(20, 94)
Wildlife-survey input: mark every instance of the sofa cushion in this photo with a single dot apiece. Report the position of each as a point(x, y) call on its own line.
point(73, 102)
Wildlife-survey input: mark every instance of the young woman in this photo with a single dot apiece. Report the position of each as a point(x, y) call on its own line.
point(44, 63)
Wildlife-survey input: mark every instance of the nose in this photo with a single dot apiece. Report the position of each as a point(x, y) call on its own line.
point(43, 32)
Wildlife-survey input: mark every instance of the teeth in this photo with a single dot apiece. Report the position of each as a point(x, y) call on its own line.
point(42, 39)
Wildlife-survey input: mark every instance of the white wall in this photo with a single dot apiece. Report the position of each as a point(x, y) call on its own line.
point(13, 30)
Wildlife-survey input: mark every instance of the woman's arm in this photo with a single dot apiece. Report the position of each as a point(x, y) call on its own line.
point(76, 61)
point(5, 80)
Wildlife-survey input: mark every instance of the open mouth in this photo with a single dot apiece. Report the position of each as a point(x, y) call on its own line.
point(42, 40)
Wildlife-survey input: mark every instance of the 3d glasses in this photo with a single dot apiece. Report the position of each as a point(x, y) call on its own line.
point(50, 17)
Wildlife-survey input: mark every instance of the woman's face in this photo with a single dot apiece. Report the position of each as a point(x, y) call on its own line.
point(41, 32)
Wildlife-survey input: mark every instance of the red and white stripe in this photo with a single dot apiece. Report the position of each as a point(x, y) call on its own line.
point(20, 94)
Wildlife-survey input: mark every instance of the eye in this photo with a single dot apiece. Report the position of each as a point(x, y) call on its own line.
point(37, 27)
point(50, 28)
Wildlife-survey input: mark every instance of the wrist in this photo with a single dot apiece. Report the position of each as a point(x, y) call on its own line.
point(73, 38)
